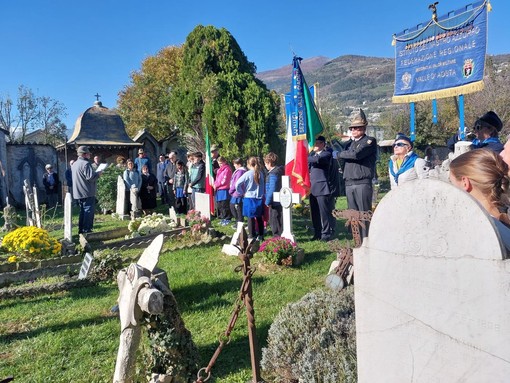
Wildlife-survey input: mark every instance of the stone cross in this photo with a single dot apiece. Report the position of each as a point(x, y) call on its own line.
point(137, 295)
point(68, 222)
point(144, 290)
point(287, 198)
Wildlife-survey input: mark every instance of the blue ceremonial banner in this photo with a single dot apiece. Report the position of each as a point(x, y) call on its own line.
point(288, 105)
point(443, 57)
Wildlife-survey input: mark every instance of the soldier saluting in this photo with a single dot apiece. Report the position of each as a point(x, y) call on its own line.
point(360, 156)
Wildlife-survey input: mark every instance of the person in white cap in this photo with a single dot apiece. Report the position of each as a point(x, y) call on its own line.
point(84, 189)
point(50, 182)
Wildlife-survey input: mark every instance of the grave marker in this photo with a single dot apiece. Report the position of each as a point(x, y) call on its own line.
point(231, 248)
point(68, 220)
point(202, 204)
point(85, 266)
point(432, 290)
point(120, 207)
point(172, 214)
point(287, 198)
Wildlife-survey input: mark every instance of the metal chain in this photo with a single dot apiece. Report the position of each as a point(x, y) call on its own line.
point(204, 373)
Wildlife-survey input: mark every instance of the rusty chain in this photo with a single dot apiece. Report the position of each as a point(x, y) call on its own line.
point(204, 373)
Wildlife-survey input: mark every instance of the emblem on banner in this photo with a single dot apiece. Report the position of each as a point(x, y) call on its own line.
point(406, 80)
point(467, 70)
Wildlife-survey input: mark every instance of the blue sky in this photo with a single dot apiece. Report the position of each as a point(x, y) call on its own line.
point(69, 50)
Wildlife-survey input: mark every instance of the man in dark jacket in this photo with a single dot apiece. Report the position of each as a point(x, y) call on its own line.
point(319, 161)
point(84, 189)
point(360, 156)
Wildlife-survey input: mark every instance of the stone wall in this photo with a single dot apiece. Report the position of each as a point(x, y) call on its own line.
point(27, 161)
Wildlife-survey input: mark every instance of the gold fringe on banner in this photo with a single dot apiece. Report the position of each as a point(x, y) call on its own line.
point(441, 93)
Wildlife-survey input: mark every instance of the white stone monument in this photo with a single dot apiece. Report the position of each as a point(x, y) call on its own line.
point(203, 204)
point(231, 248)
point(68, 217)
point(432, 290)
point(287, 198)
point(120, 207)
point(172, 214)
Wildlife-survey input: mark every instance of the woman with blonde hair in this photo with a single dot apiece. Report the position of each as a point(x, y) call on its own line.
point(483, 174)
point(251, 186)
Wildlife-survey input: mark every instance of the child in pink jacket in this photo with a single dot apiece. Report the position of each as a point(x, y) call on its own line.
point(221, 186)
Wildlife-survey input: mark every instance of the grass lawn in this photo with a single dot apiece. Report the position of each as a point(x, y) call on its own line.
point(73, 336)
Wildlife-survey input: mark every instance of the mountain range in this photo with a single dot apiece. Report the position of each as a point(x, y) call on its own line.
point(349, 82)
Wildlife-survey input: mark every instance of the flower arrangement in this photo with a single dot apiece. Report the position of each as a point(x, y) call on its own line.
point(198, 224)
point(30, 243)
point(150, 224)
point(279, 250)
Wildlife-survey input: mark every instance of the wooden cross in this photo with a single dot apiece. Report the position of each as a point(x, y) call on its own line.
point(287, 198)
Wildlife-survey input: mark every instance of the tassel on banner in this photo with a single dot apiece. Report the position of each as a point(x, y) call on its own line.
point(489, 6)
point(394, 41)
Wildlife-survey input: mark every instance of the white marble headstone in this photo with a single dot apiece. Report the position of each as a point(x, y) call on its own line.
point(432, 290)
point(172, 214)
point(120, 207)
point(68, 217)
point(202, 204)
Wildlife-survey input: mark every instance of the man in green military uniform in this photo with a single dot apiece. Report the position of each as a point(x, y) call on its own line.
point(360, 155)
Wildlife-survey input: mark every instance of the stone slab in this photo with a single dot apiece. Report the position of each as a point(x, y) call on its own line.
point(202, 204)
point(432, 290)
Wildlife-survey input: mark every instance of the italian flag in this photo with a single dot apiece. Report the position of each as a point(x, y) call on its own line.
point(209, 179)
point(303, 124)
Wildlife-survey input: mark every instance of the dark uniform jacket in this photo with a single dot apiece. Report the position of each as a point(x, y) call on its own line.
point(319, 170)
point(360, 157)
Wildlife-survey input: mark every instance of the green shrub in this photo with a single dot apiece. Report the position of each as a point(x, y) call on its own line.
point(106, 266)
point(383, 170)
point(313, 340)
point(107, 187)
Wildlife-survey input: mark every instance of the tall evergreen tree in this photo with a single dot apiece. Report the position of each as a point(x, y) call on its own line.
point(217, 88)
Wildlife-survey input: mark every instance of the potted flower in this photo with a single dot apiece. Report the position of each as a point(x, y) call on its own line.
point(281, 251)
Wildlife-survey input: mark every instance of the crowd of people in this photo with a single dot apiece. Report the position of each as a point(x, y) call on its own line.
point(248, 192)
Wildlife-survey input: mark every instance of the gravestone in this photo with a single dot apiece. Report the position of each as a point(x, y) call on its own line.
point(37, 211)
point(29, 204)
point(172, 214)
point(68, 217)
point(202, 204)
point(85, 266)
point(231, 248)
point(287, 198)
point(121, 205)
point(432, 290)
